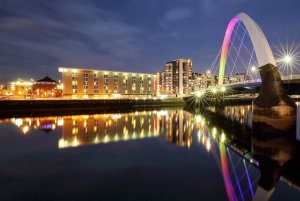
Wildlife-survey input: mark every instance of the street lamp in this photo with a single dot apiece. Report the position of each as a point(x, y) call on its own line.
point(253, 69)
point(199, 94)
point(214, 90)
point(287, 59)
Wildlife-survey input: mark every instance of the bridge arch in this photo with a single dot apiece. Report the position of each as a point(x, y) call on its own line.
point(261, 46)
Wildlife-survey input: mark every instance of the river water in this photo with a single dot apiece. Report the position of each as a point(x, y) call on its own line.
point(137, 156)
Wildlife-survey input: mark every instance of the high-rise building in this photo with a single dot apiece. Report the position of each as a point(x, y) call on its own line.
point(240, 77)
point(176, 79)
point(202, 81)
point(91, 83)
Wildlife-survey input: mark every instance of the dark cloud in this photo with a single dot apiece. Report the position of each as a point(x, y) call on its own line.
point(38, 36)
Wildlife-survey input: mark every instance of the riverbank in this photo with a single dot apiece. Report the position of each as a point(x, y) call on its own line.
point(21, 108)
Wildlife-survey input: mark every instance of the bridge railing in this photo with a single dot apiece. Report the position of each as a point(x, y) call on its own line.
point(243, 82)
point(286, 77)
point(254, 81)
point(291, 77)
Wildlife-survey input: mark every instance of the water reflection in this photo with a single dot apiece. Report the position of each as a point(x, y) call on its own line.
point(274, 151)
point(104, 128)
point(245, 160)
point(241, 113)
point(94, 129)
point(177, 126)
point(298, 122)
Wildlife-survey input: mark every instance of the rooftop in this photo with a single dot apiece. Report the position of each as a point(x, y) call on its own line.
point(46, 79)
point(65, 69)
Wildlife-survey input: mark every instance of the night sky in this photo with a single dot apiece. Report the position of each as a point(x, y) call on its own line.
point(37, 36)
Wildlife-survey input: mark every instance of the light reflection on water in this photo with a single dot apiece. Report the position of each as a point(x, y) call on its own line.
point(80, 130)
point(243, 114)
point(177, 126)
point(298, 122)
point(236, 163)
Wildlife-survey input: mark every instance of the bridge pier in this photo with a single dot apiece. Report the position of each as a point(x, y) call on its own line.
point(274, 112)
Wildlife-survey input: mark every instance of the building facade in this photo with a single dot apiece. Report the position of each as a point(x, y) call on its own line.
point(176, 79)
point(203, 81)
point(3, 85)
point(20, 88)
point(240, 77)
point(91, 83)
point(46, 88)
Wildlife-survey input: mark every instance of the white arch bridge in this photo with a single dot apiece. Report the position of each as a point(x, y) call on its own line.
point(260, 56)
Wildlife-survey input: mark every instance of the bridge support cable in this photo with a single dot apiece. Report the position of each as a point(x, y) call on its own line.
point(225, 172)
point(244, 63)
point(215, 65)
point(250, 64)
point(263, 51)
point(235, 176)
point(237, 163)
point(231, 43)
point(248, 179)
point(216, 155)
point(237, 52)
point(250, 54)
point(255, 181)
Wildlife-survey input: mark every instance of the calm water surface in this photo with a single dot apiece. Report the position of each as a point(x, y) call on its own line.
point(138, 156)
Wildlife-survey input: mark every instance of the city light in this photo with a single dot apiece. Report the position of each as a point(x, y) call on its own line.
point(223, 137)
point(214, 132)
point(199, 94)
point(253, 69)
point(214, 90)
point(208, 145)
point(288, 58)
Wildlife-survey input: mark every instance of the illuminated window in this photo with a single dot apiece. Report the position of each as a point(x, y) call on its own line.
point(95, 126)
point(149, 84)
point(74, 128)
point(125, 84)
point(141, 84)
point(74, 83)
point(133, 83)
point(96, 84)
point(105, 76)
point(85, 82)
point(116, 78)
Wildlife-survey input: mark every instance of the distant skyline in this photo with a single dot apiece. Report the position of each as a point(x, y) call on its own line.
point(36, 37)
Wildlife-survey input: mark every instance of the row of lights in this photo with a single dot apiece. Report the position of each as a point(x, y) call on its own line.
point(213, 90)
